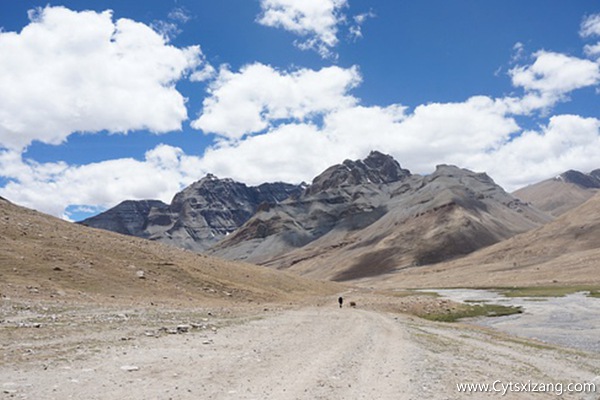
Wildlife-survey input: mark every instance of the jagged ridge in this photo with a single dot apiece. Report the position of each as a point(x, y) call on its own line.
point(198, 216)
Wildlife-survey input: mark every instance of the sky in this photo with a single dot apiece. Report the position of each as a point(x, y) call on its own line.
point(106, 100)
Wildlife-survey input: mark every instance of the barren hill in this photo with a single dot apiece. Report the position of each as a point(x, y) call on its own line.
point(48, 257)
point(563, 252)
point(562, 193)
point(369, 217)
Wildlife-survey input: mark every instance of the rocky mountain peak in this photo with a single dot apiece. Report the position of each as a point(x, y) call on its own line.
point(588, 181)
point(452, 171)
point(198, 216)
point(376, 168)
point(128, 217)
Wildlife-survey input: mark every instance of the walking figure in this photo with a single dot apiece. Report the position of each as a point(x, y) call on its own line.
point(341, 301)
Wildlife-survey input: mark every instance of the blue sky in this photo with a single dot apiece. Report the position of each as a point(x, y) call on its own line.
point(99, 107)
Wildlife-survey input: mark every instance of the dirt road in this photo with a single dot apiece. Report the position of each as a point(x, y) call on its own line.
point(307, 353)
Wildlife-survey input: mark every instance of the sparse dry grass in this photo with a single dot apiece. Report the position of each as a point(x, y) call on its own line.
point(549, 291)
point(470, 311)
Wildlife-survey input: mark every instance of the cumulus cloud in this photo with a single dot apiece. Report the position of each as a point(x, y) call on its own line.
point(248, 101)
point(290, 125)
point(111, 75)
point(566, 142)
point(475, 134)
point(556, 73)
point(431, 134)
point(315, 20)
point(549, 80)
point(51, 187)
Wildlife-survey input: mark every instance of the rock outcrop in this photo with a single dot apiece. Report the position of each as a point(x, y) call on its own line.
point(129, 217)
point(198, 216)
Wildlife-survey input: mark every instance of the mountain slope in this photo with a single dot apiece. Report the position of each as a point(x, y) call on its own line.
point(199, 216)
point(565, 251)
point(129, 217)
point(365, 218)
point(46, 257)
point(562, 193)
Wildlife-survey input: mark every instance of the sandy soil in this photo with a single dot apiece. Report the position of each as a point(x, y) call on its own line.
point(304, 352)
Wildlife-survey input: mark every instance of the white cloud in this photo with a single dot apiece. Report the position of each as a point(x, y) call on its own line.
point(432, 134)
point(474, 134)
point(518, 52)
point(548, 81)
point(315, 20)
point(180, 14)
point(356, 29)
point(290, 125)
point(116, 76)
point(203, 74)
point(590, 26)
point(567, 142)
point(556, 73)
point(170, 29)
point(592, 50)
point(250, 100)
point(52, 187)
point(289, 153)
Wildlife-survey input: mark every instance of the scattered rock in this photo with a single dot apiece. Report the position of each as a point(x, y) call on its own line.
point(29, 325)
point(183, 328)
point(140, 274)
point(130, 368)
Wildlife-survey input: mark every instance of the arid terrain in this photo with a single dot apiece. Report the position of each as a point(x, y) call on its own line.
point(278, 352)
point(564, 252)
point(96, 315)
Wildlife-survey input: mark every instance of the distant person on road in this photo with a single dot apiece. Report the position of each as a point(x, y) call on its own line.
point(341, 301)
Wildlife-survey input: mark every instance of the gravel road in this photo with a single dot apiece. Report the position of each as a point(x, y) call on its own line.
point(306, 353)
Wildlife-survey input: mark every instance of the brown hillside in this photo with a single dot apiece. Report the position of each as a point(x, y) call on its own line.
point(563, 252)
point(555, 196)
point(46, 257)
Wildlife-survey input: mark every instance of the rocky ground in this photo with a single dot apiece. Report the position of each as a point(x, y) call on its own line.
point(314, 350)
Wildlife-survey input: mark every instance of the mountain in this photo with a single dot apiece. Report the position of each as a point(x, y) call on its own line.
point(128, 218)
point(563, 252)
point(562, 193)
point(43, 257)
point(198, 216)
point(370, 217)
